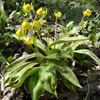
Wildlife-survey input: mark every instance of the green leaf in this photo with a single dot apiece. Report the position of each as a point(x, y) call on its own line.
point(72, 32)
point(17, 68)
point(15, 36)
point(57, 46)
point(69, 39)
point(47, 40)
point(19, 74)
point(67, 53)
point(2, 59)
point(32, 82)
point(1, 50)
point(3, 18)
point(52, 51)
point(1, 5)
point(10, 28)
point(47, 75)
point(9, 59)
point(39, 44)
point(54, 56)
point(21, 59)
point(84, 24)
point(15, 56)
point(90, 28)
point(69, 26)
point(65, 71)
point(68, 84)
point(98, 35)
point(24, 76)
point(89, 53)
point(11, 75)
point(76, 44)
point(10, 16)
point(92, 38)
point(35, 86)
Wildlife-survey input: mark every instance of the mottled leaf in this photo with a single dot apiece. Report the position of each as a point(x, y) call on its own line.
point(35, 86)
point(90, 53)
point(69, 39)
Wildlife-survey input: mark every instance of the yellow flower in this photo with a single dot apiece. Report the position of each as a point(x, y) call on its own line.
point(41, 13)
point(20, 33)
point(26, 25)
point(30, 40)
point(27, 7)
point(87, 13)
point(37, 24)
point(58, 14)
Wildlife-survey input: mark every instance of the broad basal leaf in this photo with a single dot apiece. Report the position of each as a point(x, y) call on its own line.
point(52, 51)
point(35, 86)
point(65, 71)
point(24, 76)
point(21, 59)
point(47, 75)
point(64, 53)
point(69, 39)
point(88, 52)
point(76, 44)
point(68, 84)
point(16, 74)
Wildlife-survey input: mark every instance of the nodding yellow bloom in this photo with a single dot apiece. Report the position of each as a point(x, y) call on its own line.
point(58, 14)
point(41, 13)
point(27, 8)
point(20, 33)
point(37, 24)
point(30, 40)
point(87, 13)
point(26, 25)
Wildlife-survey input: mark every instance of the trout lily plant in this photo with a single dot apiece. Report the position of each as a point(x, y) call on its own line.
point(49, 59)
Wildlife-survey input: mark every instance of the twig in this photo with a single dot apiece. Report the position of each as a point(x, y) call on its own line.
point(88, 88)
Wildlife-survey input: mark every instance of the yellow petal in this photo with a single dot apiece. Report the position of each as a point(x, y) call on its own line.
point(58, 14)
point(87, 13)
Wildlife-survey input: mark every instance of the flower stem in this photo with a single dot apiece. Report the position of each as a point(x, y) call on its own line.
point(47, 37)
point(36, 54)
point(38, 35)
point(55, 31)
point(55, 27)
point(80, 26)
